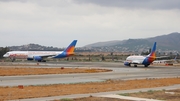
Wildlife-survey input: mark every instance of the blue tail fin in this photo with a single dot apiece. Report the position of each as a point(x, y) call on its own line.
point(153, 54)
point(151, 57)
point(68, 51)
point(71, 47)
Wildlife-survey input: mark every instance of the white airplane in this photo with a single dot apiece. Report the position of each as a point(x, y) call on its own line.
point(40, 55)
point(141, 60)
point(163, 59)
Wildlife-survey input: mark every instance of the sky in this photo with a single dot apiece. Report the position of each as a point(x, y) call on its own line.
point(58, 22)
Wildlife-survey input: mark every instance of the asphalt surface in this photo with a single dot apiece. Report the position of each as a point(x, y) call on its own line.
point(119, 72)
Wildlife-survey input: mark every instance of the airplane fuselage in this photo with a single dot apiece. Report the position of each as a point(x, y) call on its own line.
point(29, 54)
point(139, 59)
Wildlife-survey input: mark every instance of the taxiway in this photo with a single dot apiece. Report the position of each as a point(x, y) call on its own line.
point(119, 72)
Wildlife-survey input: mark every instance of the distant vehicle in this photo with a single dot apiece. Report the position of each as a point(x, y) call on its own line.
point(41, 55)
point(141, 60)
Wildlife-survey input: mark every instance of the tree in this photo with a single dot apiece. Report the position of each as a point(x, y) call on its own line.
point(3, 51)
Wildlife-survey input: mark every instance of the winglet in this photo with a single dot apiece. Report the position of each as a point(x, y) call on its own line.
point(176, 56)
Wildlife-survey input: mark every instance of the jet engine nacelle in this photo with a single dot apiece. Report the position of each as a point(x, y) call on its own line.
point(37, 58)
point(127, 63)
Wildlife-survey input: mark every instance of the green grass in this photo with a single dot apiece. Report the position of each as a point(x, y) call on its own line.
point(150, 91)
point(125, 94)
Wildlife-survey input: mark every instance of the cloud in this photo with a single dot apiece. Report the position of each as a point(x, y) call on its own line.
point(58, 22)
point(147, 4)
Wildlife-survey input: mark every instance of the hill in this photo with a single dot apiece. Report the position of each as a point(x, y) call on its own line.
point(37, 47)
point(33, 47)
point(167, 42)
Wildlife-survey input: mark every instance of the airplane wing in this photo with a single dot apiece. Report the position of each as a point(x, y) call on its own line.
point(135, 62)
point(43, 55)
point(46, 56)
point(40, 56)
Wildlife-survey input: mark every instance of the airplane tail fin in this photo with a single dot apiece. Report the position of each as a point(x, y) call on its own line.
point(151, 57)
point(153, 51)
point(71, 47)
point(68, 51)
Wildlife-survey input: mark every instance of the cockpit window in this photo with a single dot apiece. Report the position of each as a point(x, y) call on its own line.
point(7, 54)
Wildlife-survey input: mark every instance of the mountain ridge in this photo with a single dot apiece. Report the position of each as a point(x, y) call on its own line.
point(164, 42)
point(167, 42)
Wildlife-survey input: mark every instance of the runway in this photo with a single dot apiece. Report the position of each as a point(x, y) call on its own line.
point(119, 72)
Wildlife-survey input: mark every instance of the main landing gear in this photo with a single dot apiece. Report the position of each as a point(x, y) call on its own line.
point(12, 59)
point(146, 65)
point(41, 60)
point(135, 65)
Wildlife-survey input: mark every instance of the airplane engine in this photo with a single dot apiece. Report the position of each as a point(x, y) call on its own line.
point(126, 63)
point(37, 58)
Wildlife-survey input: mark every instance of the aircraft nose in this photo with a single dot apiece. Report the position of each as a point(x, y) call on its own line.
point(5, 55)
point(126, 63)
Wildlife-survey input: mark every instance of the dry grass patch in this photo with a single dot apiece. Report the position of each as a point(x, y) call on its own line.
point(7, 93)
point(167, 95)
point(12, 71)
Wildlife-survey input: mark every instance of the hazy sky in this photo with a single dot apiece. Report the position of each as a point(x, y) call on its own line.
point(58, 22)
